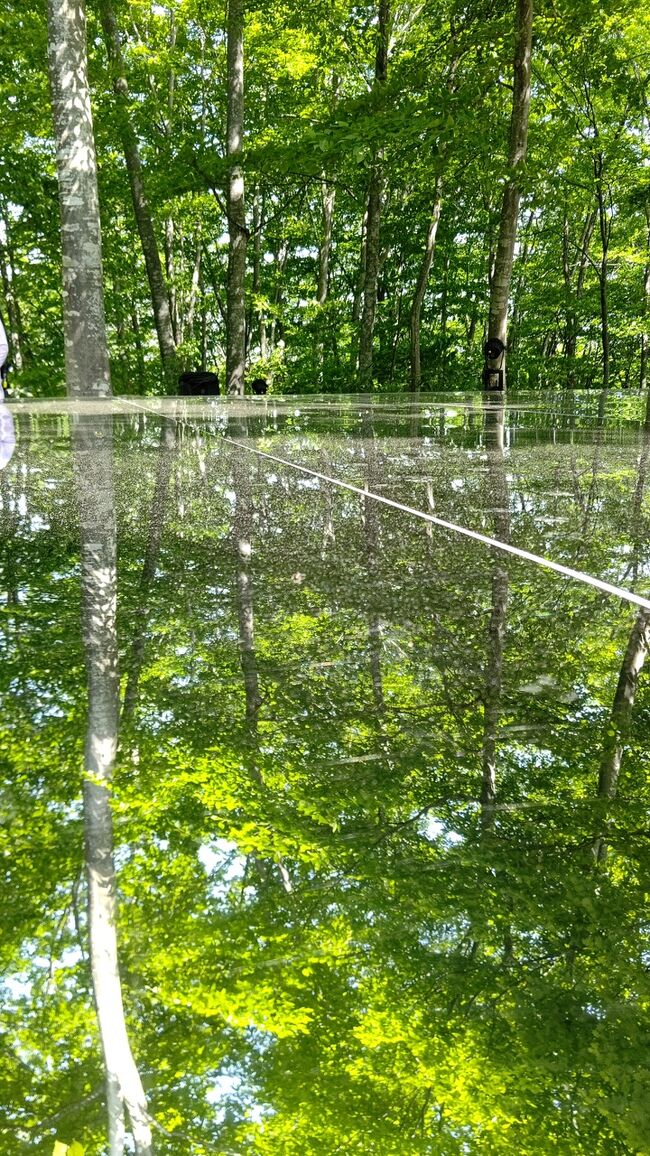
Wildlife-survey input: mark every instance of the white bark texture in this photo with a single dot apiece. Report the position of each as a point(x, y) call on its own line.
point(92, 446)
point(238, 235)
point(86, 354)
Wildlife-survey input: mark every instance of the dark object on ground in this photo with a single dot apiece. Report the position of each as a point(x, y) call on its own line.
point(198, 383)
point(259, 385)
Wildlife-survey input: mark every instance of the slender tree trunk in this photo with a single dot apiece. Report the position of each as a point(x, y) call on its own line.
point(280, 266)
point(645, 340)
point(501, 280)
point(137, 337)
point(170, 263)
point(238, 235)
point(141, 209)
point(257, 262)
point(84, 325)
point(195, 283)
point(358, 297)
point(571, 332)
point(367, 329)
point(92, 449)
point(605, 234)
point(170, 272)
point(327, 217)
point(421, 286)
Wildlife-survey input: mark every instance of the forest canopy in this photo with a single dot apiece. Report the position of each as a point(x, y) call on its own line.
point(371, 146)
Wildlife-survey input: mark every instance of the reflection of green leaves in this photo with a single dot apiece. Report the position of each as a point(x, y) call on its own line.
point(312, 921)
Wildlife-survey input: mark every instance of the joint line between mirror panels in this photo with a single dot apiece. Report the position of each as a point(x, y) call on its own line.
point(475, 535)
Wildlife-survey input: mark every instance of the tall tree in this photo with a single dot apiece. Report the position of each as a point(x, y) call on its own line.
point(86, 352)
point(502, 274)
point(237, 231)
point(373, 216)
point(144, 220)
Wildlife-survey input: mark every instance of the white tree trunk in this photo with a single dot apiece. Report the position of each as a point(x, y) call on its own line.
point(84, 326)
point(238, 235)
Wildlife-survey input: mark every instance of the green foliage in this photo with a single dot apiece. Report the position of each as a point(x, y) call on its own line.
point(312, 113)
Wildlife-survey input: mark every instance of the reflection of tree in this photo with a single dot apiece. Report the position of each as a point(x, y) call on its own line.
point(94, 481)
point(618, 727)
point(375, 1005)
point(242, 531)
point(152, 552)
point(499, 495)
point(371, 535)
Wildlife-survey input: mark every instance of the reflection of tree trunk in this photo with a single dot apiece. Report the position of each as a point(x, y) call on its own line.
point(618, 727)
point(156, 526)
point(94, 482)
point(243, 532)
point(329, 535)
point(492, 695)
point(243, 529)
point(371, 534)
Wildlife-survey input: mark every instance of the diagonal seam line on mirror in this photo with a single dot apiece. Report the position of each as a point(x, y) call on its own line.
point(485, 539)
point(495, 543)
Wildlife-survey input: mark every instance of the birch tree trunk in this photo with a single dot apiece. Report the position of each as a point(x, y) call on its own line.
point(421, 286)
point(84, 325)
point(238, 235)
point(144, 221)
point(502, 276)
point(373, 218)
point(92, 453)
